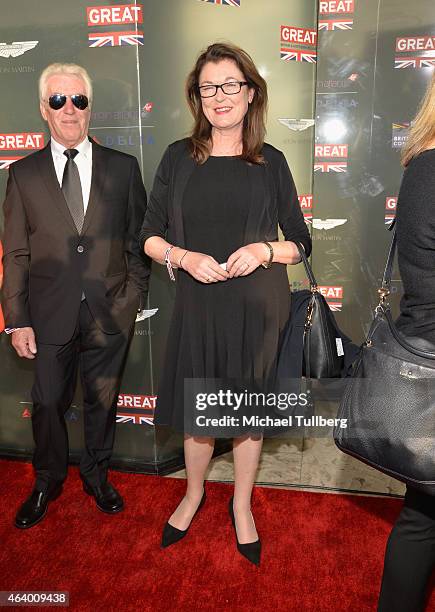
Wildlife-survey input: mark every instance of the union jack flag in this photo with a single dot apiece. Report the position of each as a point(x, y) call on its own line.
point(138, 416)
point(414, 62)
point(224, 2)
point(330, 167)
point(5, 162)
point(115, 39)
point(335, 24)
point(295, 55)
point(308, 217)
point(335, 306)
point(389, 218)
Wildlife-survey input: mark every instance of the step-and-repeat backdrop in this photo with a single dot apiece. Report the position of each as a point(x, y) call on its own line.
point(345, 79)
point(138, 55)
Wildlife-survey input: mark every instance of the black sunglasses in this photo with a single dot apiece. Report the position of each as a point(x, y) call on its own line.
point(56, 101)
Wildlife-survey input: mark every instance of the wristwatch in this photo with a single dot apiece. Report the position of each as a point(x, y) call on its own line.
point(269, 263)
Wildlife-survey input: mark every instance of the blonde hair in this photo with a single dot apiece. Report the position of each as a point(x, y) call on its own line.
point(422, 131)
point(72, 69)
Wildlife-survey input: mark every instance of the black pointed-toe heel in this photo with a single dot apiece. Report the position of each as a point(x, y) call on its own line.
point(172, 535)
point(251, 550)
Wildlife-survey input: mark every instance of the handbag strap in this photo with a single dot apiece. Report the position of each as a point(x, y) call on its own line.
point(308, 270)
point(385, 288)
point(384, 306)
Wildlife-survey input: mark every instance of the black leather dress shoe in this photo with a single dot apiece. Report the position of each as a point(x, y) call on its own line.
point(35, 507)
point(106, 496)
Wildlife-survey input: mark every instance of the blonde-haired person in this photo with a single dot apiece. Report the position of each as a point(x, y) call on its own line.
point(410, 553)
point(214, 211)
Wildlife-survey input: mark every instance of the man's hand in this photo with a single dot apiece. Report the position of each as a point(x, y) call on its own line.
point(23, 341)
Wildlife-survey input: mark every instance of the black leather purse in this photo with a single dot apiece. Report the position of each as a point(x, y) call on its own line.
point(323, 354)
point(389, 403)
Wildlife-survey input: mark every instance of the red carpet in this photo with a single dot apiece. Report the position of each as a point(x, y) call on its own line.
point(321, 552)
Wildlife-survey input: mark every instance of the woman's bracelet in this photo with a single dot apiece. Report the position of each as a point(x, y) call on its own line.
point(168, 263)
point(269, 263)
point(181, 260)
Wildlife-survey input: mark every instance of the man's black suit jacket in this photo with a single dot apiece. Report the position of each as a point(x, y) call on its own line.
point(47, 264)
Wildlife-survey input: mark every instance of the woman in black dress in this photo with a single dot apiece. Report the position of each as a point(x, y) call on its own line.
point(410, 553)
point(216, 203)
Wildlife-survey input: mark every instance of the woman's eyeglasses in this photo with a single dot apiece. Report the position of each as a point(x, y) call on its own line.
point(57, 101)
point(230, 88)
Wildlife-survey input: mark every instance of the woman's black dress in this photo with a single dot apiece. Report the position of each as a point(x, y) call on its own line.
point(228, 330)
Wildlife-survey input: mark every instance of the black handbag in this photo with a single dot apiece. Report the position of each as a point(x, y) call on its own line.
point(323, 354)
point(389, 402)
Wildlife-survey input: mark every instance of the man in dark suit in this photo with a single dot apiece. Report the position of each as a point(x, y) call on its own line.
point(74, 279)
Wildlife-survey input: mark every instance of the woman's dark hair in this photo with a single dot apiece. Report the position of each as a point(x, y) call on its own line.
point(254, 128)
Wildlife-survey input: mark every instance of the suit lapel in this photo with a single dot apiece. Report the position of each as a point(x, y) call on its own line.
point(48, 173)
point(99, 168)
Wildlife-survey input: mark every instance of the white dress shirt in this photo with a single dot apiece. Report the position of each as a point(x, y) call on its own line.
point(83, 159)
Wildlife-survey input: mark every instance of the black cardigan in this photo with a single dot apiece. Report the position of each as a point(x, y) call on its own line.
point(273, 196)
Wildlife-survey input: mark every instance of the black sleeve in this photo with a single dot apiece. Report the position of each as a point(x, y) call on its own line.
point(139, 265)
point(290, 217)
point(415, 225)
point(16, 258)
point(155, 222)
point(415, 208)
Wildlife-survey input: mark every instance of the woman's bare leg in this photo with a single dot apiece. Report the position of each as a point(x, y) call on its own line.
point(246, 452)
point(197, 454)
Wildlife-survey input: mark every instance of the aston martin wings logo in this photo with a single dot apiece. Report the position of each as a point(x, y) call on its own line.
point(17, 48)
point(297, 125)
point(327, 224)
point(145, 314)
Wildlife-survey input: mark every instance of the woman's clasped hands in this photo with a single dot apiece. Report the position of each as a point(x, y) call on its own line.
point(205, 269)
